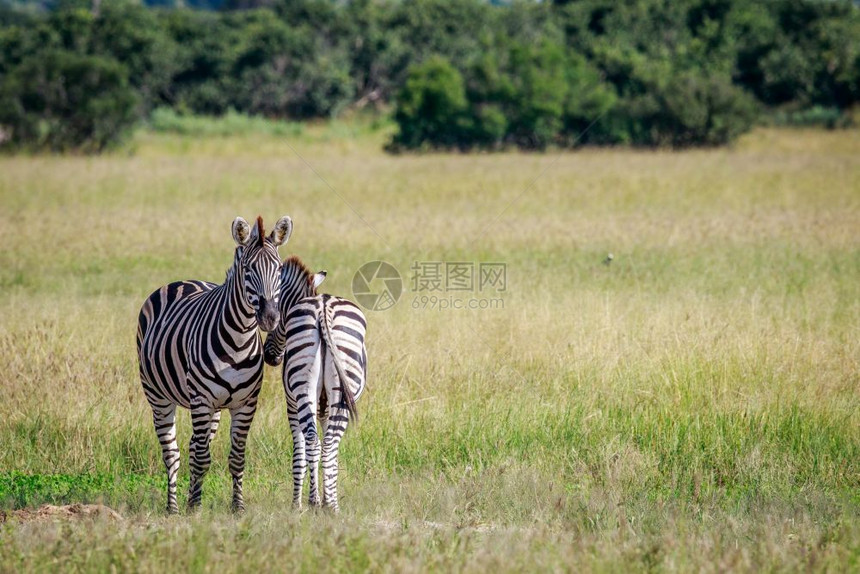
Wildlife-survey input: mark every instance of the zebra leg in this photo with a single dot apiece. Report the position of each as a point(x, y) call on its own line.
point(306, 413)
point(324, 414)
point(301, 373)
point(306, 448)
point(199, 458)
point(335, 429)
point(240, 424)
point(312, 446)
point(299, 460)
point(323, 425)
point(213, 425)
point(164, 418)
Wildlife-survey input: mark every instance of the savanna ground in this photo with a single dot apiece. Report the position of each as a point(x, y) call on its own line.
point(694, 405)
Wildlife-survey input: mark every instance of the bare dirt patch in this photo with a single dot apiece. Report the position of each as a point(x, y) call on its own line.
point(65, 512)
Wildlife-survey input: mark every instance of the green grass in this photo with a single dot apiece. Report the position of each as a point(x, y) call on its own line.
point(692, 406)
point(166, 120)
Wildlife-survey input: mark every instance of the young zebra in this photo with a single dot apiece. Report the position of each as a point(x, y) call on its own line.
point(198, 347)
point(324, 374)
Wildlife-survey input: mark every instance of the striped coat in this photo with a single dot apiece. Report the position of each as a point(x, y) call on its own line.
point(199, 348)
point(324, 374)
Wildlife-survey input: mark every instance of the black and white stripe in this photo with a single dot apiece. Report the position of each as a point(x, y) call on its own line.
point(297, 282)
point(199, 348)
point(324, 374)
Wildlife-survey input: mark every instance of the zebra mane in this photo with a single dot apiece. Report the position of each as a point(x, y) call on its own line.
point(294, 261)
point(260, 235)
point(232, 269)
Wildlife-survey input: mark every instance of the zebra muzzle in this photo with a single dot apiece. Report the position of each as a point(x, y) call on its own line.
point(272, 358)
point(268, 315)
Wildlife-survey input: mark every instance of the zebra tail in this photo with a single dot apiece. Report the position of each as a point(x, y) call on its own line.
point(349, 399)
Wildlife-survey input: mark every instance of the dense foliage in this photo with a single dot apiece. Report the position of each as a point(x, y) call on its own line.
point(61, 100)
point(460, 73)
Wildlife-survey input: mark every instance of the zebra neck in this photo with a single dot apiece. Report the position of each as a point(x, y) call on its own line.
point(238, 317)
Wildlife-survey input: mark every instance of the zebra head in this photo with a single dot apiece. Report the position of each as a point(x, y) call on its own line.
point(297, 282)
point(256, 264)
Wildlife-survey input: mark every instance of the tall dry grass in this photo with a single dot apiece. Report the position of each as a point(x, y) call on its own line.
point(692, 405)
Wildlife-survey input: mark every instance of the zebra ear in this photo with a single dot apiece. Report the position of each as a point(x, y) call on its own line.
point(319, 278)
point(241, 231)
point(282, 231)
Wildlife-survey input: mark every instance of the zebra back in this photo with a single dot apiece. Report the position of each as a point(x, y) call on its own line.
point(341, 328)
point(327, 321)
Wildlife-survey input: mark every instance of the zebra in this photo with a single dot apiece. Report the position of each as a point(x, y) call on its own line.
point(323, 375)
point(198, 347)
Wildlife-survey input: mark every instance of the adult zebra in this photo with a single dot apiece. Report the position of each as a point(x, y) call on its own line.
point(198, 347)
point(324, 373)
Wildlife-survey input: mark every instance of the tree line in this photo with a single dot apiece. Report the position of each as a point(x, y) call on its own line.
point(456, 74)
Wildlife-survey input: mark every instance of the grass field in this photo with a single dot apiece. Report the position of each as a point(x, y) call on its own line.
point(694, 405)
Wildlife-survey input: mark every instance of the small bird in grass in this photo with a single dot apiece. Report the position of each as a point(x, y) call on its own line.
point(608, 260)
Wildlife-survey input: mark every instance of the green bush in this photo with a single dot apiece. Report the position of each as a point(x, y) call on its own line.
point(681, 108)
point(321, 86)
point(130, 33)
point(60, 101)
point(486, 74)
point(589, 102)
point(703, 110)
point(531, 97)
point(539, 94)
point(487, 126)
point(431, 107)
point(287, 71)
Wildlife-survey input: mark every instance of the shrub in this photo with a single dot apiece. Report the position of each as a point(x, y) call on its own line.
point(588, 105)
point(130, 33)
point(686, 108)
point(60, 100)
point(461, 73)
point(287, 71)
point(431, 106)
point(540, 91)
point(704, 110)
point(487, 126)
